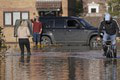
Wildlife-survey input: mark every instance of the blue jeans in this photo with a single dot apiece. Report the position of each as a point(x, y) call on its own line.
point(36, 37)
point(109, 37)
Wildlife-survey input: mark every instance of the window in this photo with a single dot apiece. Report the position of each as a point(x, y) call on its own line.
point(11, 17)
point(24, 15)
point(72, 24)
point(59, 23)
point(84, 23)
point(8, 19)
point(48, 23)
point(93, 10)
point(16, 15)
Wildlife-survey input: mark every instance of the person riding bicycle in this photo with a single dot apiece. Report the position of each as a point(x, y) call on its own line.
point(110, 29)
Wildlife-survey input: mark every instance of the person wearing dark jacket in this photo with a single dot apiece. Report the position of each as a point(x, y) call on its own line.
point(110, 28)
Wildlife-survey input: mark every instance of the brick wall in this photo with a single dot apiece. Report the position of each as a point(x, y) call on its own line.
point(95, 21)
point(100, 2)
point(29, 5)
point(21, 5)
point(65, 7)
point(15, 5)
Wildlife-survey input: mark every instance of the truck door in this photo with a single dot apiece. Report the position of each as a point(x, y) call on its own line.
point(55, 28)
point(59, 31)
point(75, 32)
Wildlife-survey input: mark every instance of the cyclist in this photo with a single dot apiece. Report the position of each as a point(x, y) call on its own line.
point(110, 29)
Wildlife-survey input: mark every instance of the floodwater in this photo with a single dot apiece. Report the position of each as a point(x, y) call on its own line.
point(58, 64)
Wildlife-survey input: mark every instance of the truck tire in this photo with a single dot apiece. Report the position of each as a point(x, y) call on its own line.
point(94, 44)
point(45, 40)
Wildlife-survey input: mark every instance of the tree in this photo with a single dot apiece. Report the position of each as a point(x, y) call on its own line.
point(114, 7)
point(2, 41)
point(79, 7)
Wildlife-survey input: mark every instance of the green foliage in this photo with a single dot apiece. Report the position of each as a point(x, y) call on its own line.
point(2, 41)
point(1, 29)
point(114, 7)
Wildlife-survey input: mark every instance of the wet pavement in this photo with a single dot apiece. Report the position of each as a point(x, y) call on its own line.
point(58, 63)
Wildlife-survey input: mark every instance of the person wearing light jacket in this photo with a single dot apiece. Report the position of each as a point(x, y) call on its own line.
point(23, 37)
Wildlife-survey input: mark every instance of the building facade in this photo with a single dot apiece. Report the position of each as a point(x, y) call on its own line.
point(95, 7)
point(10, 10)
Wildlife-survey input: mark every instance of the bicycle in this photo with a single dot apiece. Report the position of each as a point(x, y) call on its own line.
point(110, 51)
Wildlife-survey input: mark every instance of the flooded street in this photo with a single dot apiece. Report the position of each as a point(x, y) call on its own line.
point(59, 63)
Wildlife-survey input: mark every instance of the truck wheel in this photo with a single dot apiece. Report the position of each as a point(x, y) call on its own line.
point(94, 44)
point(46, 40)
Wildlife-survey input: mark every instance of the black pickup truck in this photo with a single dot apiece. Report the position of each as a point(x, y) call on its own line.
point(67, 30)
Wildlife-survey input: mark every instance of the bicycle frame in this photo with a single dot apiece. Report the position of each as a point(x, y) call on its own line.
point(109, 52)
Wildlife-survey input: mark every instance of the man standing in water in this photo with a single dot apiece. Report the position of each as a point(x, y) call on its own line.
point(37, 30)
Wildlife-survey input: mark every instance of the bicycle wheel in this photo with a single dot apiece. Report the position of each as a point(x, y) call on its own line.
point(109, 54)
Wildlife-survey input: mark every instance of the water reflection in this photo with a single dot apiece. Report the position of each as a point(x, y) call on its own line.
point(110, 69)
point(24, 68)
point(2, 67)
point(36, 67)
point(27, 60)
point(63, 48)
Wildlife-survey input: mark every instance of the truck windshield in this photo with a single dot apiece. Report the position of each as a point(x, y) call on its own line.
point(85, 23)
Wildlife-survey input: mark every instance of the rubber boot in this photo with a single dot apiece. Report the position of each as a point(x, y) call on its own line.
point(115, 53)
point(28, 53)
point(22, 54)
point(28, 59)
point(22, 59)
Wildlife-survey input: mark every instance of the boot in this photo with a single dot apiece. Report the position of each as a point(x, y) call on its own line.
point(28, 53)
point(28, 59)
point(114, 53)
point(22, 59)
point(22, 54)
